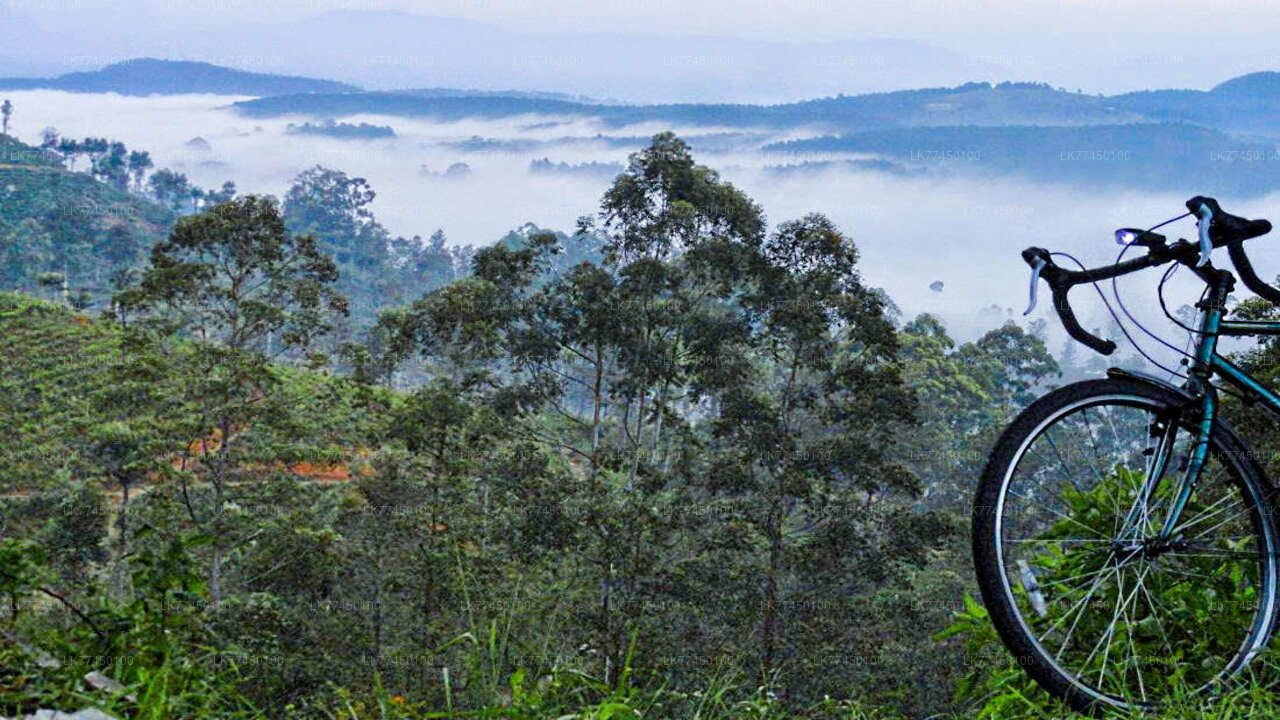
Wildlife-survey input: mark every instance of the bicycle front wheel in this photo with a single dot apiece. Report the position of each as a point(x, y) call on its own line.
point(1096, 604)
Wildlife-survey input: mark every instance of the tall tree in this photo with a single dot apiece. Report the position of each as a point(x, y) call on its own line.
point(6, 112)
point(811, 405)
point(170, 188)
point(334, 207)
point(231, 279)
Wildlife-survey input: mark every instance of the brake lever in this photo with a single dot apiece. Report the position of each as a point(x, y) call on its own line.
point(1035, 282)
point(1206, 245)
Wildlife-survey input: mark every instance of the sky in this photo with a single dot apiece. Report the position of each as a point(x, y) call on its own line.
point(864, 46)
point(794, 19)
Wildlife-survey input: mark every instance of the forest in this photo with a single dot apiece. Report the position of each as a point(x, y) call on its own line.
point(681, 462)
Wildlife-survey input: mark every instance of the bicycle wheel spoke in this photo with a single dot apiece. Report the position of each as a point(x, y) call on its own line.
point(1109, 600)
point(1205, 515)
point(1155, 614)
point(1069, 519)
point(1079, 606)
point(1233, 516)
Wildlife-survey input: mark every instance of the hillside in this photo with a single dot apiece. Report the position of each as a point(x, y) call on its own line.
point(47, 212)
point(55, 360)
point(58, 361)
point(147, 76)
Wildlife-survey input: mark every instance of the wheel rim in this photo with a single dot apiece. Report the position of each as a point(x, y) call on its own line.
point(1121, 615)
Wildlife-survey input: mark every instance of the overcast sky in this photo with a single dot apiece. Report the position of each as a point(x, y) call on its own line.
point(1095, 46)
point(797, 19)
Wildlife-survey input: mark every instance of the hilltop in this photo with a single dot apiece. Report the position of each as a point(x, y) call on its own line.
point(47, 212)
point(149, 76)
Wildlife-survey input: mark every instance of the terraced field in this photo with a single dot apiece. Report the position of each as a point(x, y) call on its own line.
point(51, 362)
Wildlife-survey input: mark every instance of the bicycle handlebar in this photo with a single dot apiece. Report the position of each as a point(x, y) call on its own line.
point(1217, 229)
point(1250, 278)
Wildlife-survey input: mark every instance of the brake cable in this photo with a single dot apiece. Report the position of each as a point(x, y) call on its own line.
point(1116, 292)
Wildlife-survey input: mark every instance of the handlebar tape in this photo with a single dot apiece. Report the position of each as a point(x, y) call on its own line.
point(1248, 276)
point(1068, 317)
point(1060, 286)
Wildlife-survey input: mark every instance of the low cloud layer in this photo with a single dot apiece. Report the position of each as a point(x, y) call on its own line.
point(913, 231)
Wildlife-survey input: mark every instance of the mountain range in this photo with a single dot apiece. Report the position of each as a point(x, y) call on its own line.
point(1170, 139)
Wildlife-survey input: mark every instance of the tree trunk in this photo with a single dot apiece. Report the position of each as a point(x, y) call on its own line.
point(769, 614)
point(119, 563)
point(215, 574)
point(597, 398)
point(377, 612)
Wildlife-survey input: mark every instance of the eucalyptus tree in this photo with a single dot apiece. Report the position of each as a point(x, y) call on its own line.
point(228, 290)
point(809, 404)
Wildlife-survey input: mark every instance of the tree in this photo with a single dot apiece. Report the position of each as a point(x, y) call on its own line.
point(232, 279)
point(6, 112)
point(610, 352)
point(169, 187)
point(335, 208)
point(69, 149)
point(1015, 361)
point(224, 194)
point(811, 404)
point(95, 148)
point(139, 163)
point(112, 166)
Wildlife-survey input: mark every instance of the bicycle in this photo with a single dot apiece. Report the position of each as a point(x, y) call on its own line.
point(1124, 537)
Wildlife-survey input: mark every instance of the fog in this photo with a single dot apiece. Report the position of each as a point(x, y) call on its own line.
point(911, 231)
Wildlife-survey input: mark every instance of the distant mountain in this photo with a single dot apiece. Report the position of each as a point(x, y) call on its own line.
point(526, 94)
point(968, 104)
point(385, 50)
point(1247, 104)
point(146, 76)
point(1173, 157)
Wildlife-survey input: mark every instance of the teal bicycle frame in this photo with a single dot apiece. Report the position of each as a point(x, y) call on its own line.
point(1205, 364)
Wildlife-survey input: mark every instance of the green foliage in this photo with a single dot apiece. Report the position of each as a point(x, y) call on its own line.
point(663, 467)
point(54, 220)
point(966, 394)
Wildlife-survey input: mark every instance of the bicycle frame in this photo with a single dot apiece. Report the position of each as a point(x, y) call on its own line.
point(1207, 363)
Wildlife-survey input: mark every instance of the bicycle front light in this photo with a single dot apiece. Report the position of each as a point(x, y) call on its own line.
point(1145, 238)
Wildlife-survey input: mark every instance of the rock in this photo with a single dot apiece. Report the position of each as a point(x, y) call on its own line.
point(98, 681)
point(92, 714)
point(85, 714)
